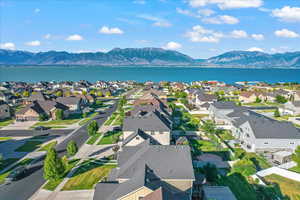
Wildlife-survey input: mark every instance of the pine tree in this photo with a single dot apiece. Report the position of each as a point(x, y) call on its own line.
point(53, 166)
point(72, 148)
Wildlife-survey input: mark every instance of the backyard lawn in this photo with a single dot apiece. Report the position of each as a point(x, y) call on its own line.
point(287, 186)
point(29, 146)
point(87, 176)
point(111, 137)
point(239, 186)
point(295, 169)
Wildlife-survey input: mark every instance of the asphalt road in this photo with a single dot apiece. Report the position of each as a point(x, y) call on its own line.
point(24, 133)
point(24, 188)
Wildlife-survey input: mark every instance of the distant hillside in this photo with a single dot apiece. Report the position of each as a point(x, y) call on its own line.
point(150, 56)
point(128, 56)
point(255, 59)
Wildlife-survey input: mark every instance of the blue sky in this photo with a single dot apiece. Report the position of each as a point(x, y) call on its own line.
point(199, 28)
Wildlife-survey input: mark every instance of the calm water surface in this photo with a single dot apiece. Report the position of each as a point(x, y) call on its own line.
point(185, 74)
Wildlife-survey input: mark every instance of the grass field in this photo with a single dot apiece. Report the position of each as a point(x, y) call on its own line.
point(110, 137)
point(288, 187)
point(111, 119)
point(295, 169)
point(87, 176)
point(29, 146)
point(5, 138)
point(72, 119)
point(48, 146)
point(5, 122)
point(93, 138)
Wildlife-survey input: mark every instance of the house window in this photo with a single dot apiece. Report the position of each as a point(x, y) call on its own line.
point(137, 137)
point(247, 135)
point(292, 142)
point(266, 142)
point(152, 133)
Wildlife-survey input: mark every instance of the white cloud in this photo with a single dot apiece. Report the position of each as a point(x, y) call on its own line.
point(34, 43)
point(47, 36)
point(206, 12)
point(255, 49)
point(238, 34)
point(37, 10)
point(113, 30)
point(200, 34)
point(74, 37)
point(287, 13)
point(172, 46)
point(258, 36)
point(221, 19)
point(162, 24)
point(157, 21)
point(8, 45)
point(286, 33)
point(227, 4)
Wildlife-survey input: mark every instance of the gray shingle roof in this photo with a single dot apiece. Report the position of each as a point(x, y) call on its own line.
point(153, 121)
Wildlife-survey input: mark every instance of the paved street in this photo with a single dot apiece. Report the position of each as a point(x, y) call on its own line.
point(23, 189)
point(25, 133)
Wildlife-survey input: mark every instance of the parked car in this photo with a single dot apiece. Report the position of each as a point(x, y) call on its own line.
point(41, 128)
point(15, 174)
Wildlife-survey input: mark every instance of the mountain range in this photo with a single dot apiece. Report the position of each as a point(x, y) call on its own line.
point(150, 56)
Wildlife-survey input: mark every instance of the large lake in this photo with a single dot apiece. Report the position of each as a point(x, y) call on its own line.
point(185, 74)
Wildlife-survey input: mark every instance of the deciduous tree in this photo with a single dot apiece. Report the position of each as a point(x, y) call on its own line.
point(72, 148)
point(53, 166)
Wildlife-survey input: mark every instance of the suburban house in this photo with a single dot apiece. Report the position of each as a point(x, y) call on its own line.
point(152, 125)
point(149, 172)
point(32, 112)
point(290, 108)
point(256, 132)
point(4, 110)
point(74, 103)
point(296, 95)
point(35, 96)
point(248, 96)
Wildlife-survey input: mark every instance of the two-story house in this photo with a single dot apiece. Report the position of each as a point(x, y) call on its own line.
point(149, 172)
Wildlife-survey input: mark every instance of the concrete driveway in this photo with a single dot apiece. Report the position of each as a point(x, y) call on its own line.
point(16, 125)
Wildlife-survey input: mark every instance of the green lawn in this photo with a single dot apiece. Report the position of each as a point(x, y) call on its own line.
point(259, 161)
point(6, 162)
point(5, 122)
point(239, 186)
point(5, 138)
point(295, 169)
point(48, 146)
point(87, 176)
point(288, 187)
point(93, 138)
point(110, 137)
point(29, 146)
point(51, 185)
point(111, 119)
point(226, 135)
point(87, 119)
